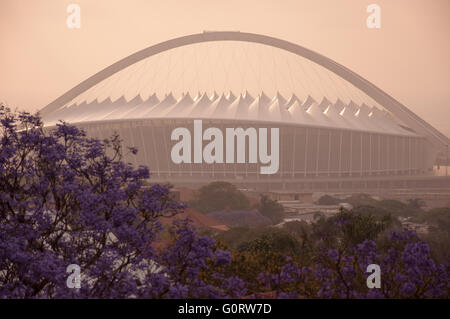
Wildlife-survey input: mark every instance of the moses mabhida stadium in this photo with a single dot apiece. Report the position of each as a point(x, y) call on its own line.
point(335, 129)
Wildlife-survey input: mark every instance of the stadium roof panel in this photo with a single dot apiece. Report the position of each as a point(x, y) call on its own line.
point(244, 107)
point(292, 100)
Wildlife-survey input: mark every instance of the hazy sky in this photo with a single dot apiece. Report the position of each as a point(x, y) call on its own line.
point(409, 57)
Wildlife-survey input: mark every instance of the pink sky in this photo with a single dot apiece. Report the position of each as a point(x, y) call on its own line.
point(409, 57)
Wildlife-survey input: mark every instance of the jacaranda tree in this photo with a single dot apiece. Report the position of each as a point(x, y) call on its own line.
point(66, 199)
point(407, 271)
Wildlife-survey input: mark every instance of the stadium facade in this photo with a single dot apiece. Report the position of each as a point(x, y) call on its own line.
point(319, 140)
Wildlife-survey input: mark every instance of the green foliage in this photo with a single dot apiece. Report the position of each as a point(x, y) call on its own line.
point(439, 241)
point(379, 212)
point(349, 228)
point(271, 209)
point(219, 196)
point(318, 215)
point(237, 236)
point(364, 227)
point(360, 200)
point(328, 200)
point(298, 229)
point(416, 203)
point(264, 249)
point(257, 250)
point(240, 218)
point(248, 265)
point(438, 236)
point(437, 217)
point(364, 202)
point(297, 237)
point(302, 232)
point(277, 241)
point(373, 210)
point(397, 208)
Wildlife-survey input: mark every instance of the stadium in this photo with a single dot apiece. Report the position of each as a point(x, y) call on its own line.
point(342, 133)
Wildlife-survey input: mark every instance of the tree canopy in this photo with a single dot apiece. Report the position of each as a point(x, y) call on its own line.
point(218, 196)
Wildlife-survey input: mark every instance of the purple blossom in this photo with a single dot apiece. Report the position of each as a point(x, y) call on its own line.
point(222, 257)
point(333, 254)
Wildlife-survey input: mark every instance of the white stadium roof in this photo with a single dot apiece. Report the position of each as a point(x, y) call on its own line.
point(234, 107)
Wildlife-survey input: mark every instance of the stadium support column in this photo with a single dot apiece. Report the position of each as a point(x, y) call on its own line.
point(329, 152)
point(370, 154)
point(340, 154)
point(396, 155)
point(306, 151)
point(410, 155)
point(152, 128)
point(361, 154)
point(388, 157)
point(317, 152)
point(380, 167)
point(446, 161)
point(351, 153)
point(293, 154)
